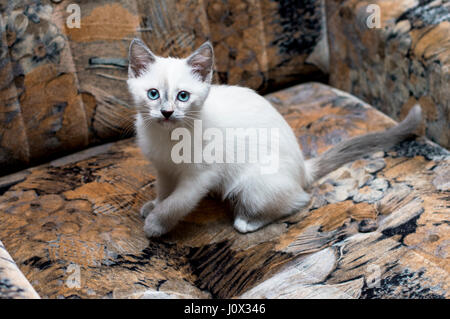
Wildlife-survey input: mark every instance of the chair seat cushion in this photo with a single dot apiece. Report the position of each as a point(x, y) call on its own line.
point(377, 227)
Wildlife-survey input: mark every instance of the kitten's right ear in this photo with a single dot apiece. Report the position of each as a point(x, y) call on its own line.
point(139, 58)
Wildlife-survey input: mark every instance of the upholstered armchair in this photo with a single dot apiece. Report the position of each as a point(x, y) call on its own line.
point(73, 180)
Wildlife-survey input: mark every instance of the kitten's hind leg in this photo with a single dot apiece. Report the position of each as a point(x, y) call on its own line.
point(147, 208)
point(258, 207)
point(243, 225)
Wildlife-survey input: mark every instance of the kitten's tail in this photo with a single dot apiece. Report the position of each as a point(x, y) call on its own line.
point(359, 146)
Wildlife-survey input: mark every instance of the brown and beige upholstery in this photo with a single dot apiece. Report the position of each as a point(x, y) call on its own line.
point(72, 179)
point(63, 89)
point(406, 60)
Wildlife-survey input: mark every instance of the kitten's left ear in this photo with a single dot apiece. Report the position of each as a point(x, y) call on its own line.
point(202, 61)
point(139, 58)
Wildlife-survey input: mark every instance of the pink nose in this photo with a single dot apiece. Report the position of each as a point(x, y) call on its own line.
point(166, 114)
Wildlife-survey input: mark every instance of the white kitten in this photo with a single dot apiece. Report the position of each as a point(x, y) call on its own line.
point(172, 93)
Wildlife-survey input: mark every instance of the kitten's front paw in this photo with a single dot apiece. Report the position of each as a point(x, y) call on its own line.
point(147, 208)
point(153, 226)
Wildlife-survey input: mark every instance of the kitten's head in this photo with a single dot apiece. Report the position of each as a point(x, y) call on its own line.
point(169, 91)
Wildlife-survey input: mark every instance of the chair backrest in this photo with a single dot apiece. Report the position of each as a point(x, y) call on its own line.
point(394, 54)
point(63, 88)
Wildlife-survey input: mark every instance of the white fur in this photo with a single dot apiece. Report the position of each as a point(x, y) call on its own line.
point(259, 199)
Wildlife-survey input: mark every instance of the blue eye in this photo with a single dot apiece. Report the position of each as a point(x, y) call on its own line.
point(153, 94)
point(183, 96)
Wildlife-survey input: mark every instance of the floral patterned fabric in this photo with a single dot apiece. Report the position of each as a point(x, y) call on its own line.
point(377, 227)
point(403, 61)
point(44, 111)
point(64, 87)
